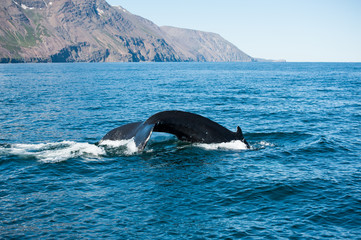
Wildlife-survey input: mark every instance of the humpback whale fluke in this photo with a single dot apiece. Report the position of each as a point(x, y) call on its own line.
point(185, 126)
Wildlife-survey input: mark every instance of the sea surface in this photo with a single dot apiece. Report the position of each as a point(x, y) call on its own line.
point(301, 179)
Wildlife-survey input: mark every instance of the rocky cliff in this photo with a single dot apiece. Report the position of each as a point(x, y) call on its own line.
point(94, 31)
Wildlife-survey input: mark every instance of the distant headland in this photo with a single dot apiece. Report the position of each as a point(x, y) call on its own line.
point(94, 31)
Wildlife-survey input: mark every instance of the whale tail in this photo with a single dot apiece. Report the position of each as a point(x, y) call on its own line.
point(140, 132)
point(186, 126)
point(239, 135)
point(142, 136)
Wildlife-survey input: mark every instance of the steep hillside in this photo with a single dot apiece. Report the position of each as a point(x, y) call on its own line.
point(203, 46)
point(94, 31)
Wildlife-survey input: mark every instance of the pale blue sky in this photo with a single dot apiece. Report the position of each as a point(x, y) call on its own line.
point(303, 30)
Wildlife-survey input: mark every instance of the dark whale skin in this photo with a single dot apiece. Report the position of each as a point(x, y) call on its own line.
point(185, 126)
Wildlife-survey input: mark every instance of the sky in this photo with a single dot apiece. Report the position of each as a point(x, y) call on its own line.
point(294, 30)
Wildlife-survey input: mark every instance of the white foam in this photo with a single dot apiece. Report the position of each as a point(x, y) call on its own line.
point(232, 145)
point(62, 151)
point(266, 144)
point(57, 152)
point(39, 146)
point(83, 150)
point(129, 144)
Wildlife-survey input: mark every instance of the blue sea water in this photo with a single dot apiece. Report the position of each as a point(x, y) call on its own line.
point(301, 179)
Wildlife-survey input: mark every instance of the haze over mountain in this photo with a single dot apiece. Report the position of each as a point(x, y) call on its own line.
point(94, 31)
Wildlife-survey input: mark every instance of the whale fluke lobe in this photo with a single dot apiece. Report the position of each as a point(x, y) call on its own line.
point(185, 126)
point(240, 136)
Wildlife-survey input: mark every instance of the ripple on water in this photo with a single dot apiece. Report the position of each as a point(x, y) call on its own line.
point(300, 179)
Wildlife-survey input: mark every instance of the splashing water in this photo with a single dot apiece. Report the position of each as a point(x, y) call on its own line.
point(232, 145)
point(62, 151)
point(55, 152)
point(122, 147)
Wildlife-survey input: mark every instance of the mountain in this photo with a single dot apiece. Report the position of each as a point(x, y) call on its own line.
point(94, 31)
point(203, 46)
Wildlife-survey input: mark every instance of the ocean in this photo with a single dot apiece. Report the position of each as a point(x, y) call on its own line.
point(301, 178)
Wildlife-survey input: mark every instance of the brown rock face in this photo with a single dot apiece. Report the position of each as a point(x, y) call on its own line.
point(94, 31)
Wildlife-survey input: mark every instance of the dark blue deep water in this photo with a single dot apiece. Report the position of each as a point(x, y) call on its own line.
point(301, 179)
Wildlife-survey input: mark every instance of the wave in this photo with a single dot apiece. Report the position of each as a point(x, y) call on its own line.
point(62, 151)
point(54, 152)
point(119, 147)
point(232, 145)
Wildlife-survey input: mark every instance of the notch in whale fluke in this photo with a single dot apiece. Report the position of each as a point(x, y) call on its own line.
point(185, 126)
